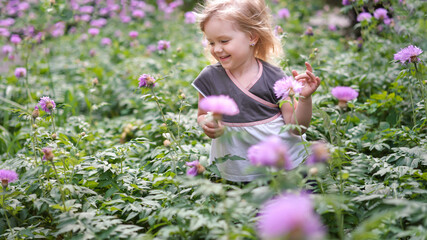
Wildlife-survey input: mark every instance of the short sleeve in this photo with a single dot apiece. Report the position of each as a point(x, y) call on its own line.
point(202, 83)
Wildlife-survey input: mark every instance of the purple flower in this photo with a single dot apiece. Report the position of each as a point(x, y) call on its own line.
point(146, 80)
point(319, 153)
point(99, 23)
point(278, 31)
point(47, 154)
point(345, 2)
point(380, 14)
point(7, 176)
point(190, 17)
point(125, 18)
point(287, 86)
point(20, 72)
point(197, 168)
point(283, 13)
point(408, 54)
point(4, 32)
point(106, 41)
point(289, 216)
point(163, 45)
point(93, 31)
point(7, 49)
point(219, 105)
point(15, 39)
point(272, 151)
point(47, 104)
point(364, 16)
point(138, 13)
point(85, 17)
point(133, 34)
point(7, 22)
point(332, 27)
point(344, 94)
point(86, 9)
point(309, 31)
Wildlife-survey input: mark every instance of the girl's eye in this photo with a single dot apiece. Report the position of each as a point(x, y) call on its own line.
point(211, 43)
point(224, 41)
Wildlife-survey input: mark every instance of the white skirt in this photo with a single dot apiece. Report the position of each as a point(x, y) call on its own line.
point(237, 140)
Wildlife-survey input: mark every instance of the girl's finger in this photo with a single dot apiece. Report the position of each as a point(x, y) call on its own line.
point(308, 66)
point(294, 73)
point(311, 75)
point(302, 76)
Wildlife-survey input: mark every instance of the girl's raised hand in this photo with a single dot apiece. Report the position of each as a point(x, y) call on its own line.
point(310, 81)
point(212, 128)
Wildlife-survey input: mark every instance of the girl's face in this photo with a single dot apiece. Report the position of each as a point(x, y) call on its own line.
point(228, 45)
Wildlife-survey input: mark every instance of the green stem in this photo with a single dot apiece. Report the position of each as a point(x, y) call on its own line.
point(170, 132)
point(5, 210)
point(412, 104)
point(340, 216)
point(34, 141)
point(53, 120)
point(26, 76)
point(60, 189)
point(417, 76)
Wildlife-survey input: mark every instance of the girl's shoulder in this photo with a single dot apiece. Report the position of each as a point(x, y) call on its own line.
point(272, 71)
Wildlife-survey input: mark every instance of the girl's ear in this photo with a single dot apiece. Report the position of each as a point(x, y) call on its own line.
point(254, 38)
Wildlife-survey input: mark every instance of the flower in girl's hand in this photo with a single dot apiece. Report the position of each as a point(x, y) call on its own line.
point(270, 152)
point(287, 87)
point(197, 168)
point(219, 105)
point(289, 216)
point(344, 94)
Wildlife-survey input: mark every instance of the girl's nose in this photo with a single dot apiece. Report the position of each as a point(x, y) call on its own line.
point(217, 48)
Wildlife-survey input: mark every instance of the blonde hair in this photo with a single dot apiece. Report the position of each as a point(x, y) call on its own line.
point(251, 16)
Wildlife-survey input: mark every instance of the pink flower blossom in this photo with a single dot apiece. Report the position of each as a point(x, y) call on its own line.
point(287, 86)
point(4, 32)
point(133, 34)
point(364, 16)
point(15, 39)
point(47, 104)
point(272, 151)
point(7, 49)
point(219, 105)
point(7, 22)
point(47, 154)
point(284, 13)
point(20, 72)
point(163, 45)
point(146, 80)
point(138, 13)
point(408, 54)
point(93, 31)
point(190, 17)
point(197, 168)
point(105, 41)
point(7, 176)
point(344, 93)
point(289, 216)
point(380, 14)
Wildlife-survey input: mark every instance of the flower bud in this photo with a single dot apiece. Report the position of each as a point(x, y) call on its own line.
point(182, 96)
point(82, 134)
point(200, 168)
point(4, 183)
point(35, 113)
point(49, 105)
point(166, 143)
point(313, 171)
point(48, 155)
point(95, 81)
point(53, 136)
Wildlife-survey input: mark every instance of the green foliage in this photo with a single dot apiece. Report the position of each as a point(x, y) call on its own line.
point(118, 170)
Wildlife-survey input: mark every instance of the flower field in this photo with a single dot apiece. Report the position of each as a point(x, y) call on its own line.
point(99, 138)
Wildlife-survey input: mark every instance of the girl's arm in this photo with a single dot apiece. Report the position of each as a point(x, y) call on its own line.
point(210, 128)
point(304, 107)
point(303, 112)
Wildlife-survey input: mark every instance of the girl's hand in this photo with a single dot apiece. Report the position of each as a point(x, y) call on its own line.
point(212, 129)
point(310, 81)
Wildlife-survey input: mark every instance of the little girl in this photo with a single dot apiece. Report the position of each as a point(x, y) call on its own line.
point(242, 41)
